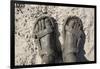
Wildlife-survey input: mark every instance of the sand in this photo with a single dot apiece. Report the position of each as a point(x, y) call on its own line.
point(25, 48)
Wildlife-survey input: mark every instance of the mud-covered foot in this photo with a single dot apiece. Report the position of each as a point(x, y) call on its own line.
point(44, 32)
point(73, 36)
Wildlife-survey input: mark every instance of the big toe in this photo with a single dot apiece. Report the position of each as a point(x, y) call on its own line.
point(48, 23)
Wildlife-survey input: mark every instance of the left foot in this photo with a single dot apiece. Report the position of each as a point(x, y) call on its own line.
point(44, 30)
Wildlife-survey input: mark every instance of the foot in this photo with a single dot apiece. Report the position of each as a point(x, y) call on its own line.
point(73, 31)
point(44, 33)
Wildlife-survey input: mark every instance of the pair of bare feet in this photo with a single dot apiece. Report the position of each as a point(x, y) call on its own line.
point(44, 33)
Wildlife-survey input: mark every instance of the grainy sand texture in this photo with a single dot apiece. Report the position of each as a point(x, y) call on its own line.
point(26, 51)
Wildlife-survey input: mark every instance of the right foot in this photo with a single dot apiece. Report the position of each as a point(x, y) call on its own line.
point(73, 33)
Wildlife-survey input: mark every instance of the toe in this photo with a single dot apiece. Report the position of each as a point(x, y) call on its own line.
point(42, 24)
point(47, 22)
point(39, 24)
point(36, 28)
